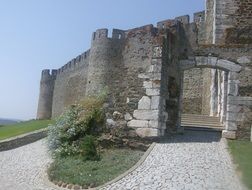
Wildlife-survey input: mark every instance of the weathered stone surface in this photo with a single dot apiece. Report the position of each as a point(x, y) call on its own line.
point(233, 76)
point(239, 100)
point(154, 124)
point(206, 61)
point(147, 132)
point(234, 108)
point(155, 69)
point(156, 83)
point(117, 115)
point(233, 89)
point(231, 125)
point(138, 123)
point(153, 92)
point(155, 76)
point(157, 52)
point(231, 116)
point(146, 114)
point(228, 65)
point(187, 64)
point(143, 76)
point(155, 101)
point(243, 60)
point(228, 134)
point(110, 123)
point(147, 84)
point(128, 117)
point(144, 103)
point(131, 61)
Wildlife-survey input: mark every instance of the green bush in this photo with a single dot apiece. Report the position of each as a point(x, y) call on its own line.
point(77, 122)
point(89, 149)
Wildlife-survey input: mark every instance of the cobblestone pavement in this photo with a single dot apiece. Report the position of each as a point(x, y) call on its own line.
point(24, 168)
point(196, 160)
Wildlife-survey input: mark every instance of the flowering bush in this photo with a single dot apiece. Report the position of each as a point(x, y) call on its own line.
point(78, 121)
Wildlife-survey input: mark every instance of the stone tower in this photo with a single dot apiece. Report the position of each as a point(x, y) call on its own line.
point(46, 94)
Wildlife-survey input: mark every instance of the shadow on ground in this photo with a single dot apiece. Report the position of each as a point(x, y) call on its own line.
point(190, 136)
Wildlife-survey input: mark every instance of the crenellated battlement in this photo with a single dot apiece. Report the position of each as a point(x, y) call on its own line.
point(48, 72)
point(75, 63)
point(103, 34)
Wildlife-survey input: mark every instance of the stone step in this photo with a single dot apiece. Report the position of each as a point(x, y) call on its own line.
point(201, 125)
point(199, 119)
point(201, 122)
point(203, 128)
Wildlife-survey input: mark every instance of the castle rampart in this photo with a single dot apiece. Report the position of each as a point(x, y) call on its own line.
point(142, 71)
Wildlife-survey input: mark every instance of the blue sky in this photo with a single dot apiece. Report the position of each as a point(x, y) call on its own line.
point(41, 34)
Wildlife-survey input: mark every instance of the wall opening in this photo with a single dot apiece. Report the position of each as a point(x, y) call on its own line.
point(223, 85)
point(203, 102)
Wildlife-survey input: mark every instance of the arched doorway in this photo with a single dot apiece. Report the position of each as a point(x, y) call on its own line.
point(220, 106)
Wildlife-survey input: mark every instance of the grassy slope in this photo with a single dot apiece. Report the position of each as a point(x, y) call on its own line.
point(242, 154)
point(76, 171)
point(8, 131)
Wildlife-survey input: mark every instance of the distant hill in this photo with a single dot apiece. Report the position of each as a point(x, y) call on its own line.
point(8, 121)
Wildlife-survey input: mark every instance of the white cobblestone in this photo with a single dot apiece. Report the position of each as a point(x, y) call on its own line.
point(196, 160)
point(24, 168)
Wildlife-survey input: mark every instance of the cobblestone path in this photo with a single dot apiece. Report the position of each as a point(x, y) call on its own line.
point(196, 160)
point(24, 168)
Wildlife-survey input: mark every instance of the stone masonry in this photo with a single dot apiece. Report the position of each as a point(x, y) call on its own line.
point(144, 68)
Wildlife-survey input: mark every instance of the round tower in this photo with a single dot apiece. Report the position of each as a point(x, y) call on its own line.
point(46, 94)
point(99, 62)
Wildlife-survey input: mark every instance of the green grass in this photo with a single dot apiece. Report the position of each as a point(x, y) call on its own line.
point(8, 131)
point(74, 170)
point(242, 155)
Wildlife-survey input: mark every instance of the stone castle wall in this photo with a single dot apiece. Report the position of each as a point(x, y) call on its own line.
point(70, 84)
point(193, 87)
point(141, 69)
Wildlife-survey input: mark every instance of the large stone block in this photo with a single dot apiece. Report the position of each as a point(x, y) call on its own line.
point(244, 60)
point(155, 100)
point(233, 89)
point(153, 92)
point(155, 76)
point(143, 76)
point(156, 61)
point(155, 68)
point(187, 64)
point(146, 114)
point(231, 116)
point(157, 52)
point(138, 124)
point(228, 65)
point(154, 124)
point(206, 61)
point(144, 103)
point(147, 132)
point(228, 134)
point(239, 100)
point(128, 117)
point(231, 125)
point(234, 108)
point(233, 76)
point(147, 84)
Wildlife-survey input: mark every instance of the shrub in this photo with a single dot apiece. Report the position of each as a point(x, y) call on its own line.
point(89, 149)
point(77, 122)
